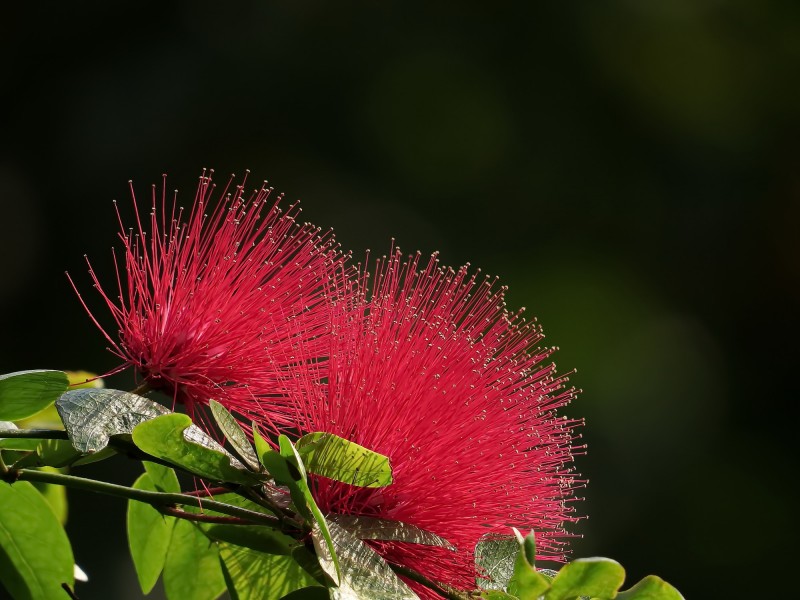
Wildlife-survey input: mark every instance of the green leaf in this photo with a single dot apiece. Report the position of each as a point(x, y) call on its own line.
point(594, 577)
point(25, 393)
point(173, 438)
point(50, 453)
point(149, 534)
point(55, 495)
point(651, 588)
point(305, 503)
point(192, 570)
point(235, 435)
point(35, 554)
point(91, 416)
point(496, 595)
point(526, 583)
point(253, 575)
point(495, 556)
point(371, 528)
point(364, 573)
point(334, 457)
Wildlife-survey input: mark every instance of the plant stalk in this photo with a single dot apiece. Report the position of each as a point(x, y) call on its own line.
point(156, 499)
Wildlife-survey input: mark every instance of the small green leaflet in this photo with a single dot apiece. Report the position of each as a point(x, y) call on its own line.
point(594, 577)
point(334, 457)
point(235, 435)
point(192, 570)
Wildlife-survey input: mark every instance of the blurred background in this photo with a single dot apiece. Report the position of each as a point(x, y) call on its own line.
point(630, 170)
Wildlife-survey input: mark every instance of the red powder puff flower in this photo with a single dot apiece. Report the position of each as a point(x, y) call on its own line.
point(214, 303)
point(433, 372)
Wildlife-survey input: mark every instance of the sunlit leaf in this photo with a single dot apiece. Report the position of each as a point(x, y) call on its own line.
point(651, 588)
point(91, 416)
point(149, 534)
point(371, 528)
point(364, 573)
point(173, 438)
point(526, 583)
point(192, 570)
point(35, 553)
point(594, 577)
point(495, 556)
point(25, 393)
point(237, 438)
point(305, 503)
point(253, 575)
point(334, 457)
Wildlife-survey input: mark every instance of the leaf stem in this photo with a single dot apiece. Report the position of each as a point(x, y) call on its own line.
point(171, 511)
point(429, 583)
point(156, 499)
point(41, 434)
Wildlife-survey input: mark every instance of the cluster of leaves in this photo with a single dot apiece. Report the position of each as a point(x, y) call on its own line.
point(253, 528)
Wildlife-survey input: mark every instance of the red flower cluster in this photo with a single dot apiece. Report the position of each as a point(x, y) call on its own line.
point(212, 301)
point(432, 371)
point(423, 364)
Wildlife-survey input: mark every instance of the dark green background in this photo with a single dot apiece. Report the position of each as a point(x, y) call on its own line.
point(629, 169)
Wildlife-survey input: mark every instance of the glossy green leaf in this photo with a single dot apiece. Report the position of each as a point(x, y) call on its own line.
point(25, 393)
point(237, 438)
point(526, 583)
point(305, 503)
point(334, 457)
point(371, 528)
point(174, 439)
point(365, 575)
point(35, 553)
point(495, 556)
point(149, 535)
point(253, 575)
point(51, 453)
point(55, 495)
point(651, 588)
point(192, 570)
point(91, 416)
point(594, 577)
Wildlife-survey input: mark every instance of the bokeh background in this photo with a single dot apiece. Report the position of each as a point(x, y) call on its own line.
point(629, 169)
